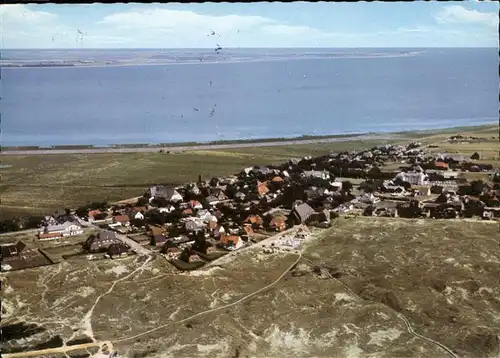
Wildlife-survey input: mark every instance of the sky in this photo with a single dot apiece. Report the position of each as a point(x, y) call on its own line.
point(296, 24)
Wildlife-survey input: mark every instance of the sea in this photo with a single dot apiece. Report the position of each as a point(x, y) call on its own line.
point(104, 97)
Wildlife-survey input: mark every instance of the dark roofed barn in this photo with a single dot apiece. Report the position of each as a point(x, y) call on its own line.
point(302, 213)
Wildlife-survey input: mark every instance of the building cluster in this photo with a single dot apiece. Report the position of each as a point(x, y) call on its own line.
point(227, 213)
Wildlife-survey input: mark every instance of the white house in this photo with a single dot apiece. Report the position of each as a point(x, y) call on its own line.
point(167, 209)
point(317, 174)
point(67, 228)
point(139, 216)
point(414, 178)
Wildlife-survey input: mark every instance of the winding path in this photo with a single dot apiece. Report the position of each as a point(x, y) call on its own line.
point(400, 315)
point(217, 308)
point(60, 349)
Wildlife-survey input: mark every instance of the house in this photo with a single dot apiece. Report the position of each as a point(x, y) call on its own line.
point(231, 242)
point(50, 220)
point(68, 228)
point(219, 231)
point(117, 249)
point(369, 199)
point(248, 230)
point(449, 174)
point(92, 214)
point(167, 209)
point(278, 223)
point(316, 174)
point(194, 225)
point(423, 190)
point(169, 194)
point(172, 252)
point(254, 220)
point(123, 220)
point(12, 251)
point(212, 200)
point(219, 193)
point(414, 178)
point(475, 156)
point(441, 165)
point(138, 215)
point(262, 188)
point(205, 215)
point(194, 258)
point(158, 240)
point(195, 204)
point(156, 230)
point(240, 196)
point(302, 213)
point(101, 241)
point(336, 185)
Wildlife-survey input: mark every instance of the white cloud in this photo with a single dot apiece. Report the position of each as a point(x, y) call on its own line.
point(182, 20)
point(26, 27)
point(456, 14)
point(15, 13)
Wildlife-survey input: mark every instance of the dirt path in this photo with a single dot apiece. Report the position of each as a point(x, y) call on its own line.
point(86, 323)
point(217, 308)
point(400, 315)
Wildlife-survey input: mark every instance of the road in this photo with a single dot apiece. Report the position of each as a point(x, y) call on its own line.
point(63, 349)
point(200, 147)
point(138, 248)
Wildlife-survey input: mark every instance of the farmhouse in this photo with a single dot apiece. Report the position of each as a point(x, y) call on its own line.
point(68, 228)
point(101, 241)
point(231, 242)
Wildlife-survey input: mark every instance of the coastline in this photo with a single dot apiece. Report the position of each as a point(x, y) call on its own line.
point(228, 144)
point(208, 62)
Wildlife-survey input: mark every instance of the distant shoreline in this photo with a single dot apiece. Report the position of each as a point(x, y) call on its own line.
point(77, 64)
point(223, 144)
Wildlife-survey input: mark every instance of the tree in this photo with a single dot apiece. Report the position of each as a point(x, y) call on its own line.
point(142, 201)
point(477, 187)
point(100, 216)
point(33, 222)
point(82, 211)
point(406, 185)
point(137, 222)
point(347, 186)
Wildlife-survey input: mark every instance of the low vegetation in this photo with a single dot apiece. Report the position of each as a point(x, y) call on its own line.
point(39, 184)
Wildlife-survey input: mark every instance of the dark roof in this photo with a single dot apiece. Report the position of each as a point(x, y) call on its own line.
point(12, 250)
point(303, 211)
point(159, 238)
point(106, 234)
point(118, 248)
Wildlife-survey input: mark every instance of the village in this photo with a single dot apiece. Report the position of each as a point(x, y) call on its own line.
point(201, 221)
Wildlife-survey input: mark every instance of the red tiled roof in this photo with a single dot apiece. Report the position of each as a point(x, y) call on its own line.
point(441, 164)
point(122, 218)
point(93, 213)
point(49, 235)
point(194, 203)
point(226, 239)
point(254, 219)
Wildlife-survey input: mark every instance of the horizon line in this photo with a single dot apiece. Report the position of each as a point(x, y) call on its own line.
point(239, 47)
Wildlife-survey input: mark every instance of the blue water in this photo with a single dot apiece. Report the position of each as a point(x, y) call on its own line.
point(250, 93)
